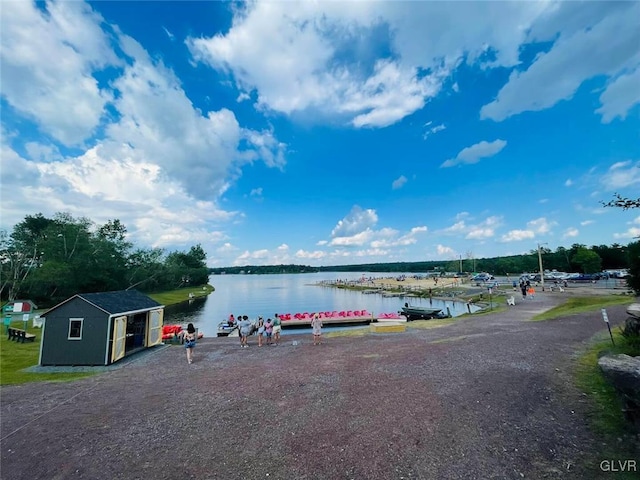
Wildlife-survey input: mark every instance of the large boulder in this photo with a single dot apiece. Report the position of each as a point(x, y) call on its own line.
point(634, 310)
point(623, 372)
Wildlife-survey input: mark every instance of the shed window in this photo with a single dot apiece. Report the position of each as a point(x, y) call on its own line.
point(75, 328)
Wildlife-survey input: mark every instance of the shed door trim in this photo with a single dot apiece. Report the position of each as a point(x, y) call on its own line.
point(154, 332)
point(119, 338)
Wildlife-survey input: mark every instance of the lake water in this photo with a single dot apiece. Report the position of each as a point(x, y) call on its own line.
point(266, 295)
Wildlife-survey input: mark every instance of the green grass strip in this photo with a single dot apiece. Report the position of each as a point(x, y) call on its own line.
point(16, 356)
point(605, 414)
point(582, 304)
point(180, 295)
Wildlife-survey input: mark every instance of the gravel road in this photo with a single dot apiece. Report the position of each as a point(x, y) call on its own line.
point(489, 396)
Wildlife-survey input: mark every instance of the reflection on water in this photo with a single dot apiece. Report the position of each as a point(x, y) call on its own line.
point(265, 295)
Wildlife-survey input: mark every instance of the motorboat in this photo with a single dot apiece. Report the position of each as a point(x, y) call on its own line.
point(420, 313)
point(225, 328)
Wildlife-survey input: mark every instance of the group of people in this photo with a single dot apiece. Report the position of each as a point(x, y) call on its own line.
point(269, 331)
point(526, 288)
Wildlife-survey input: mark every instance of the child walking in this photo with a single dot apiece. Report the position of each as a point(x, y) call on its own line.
point(316, 324)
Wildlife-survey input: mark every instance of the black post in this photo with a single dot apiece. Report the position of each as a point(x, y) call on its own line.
point(605, 317)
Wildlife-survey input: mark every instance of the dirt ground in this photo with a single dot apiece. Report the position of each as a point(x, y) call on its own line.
point(489, 396)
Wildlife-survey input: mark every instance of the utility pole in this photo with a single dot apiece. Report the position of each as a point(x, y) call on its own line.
point(540, 265)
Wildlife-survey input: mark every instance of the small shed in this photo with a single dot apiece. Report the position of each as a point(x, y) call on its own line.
point(100, 328)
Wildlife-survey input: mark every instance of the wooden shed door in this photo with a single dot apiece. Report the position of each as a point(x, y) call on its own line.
point(154, 332)
point(119, 338)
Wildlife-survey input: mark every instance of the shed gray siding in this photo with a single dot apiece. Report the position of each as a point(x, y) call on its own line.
point(57, 349)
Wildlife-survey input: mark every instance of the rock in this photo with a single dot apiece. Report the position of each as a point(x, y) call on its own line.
point(634, 310)
point(631, 327)
point(623, 372)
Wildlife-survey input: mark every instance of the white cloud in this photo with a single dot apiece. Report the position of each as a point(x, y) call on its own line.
point(479, 233)
point(485, 229)
point(633, 232)
point(568, 182)
point(256, 192)
point(517, 235)
point(541, 225)
point(315, 255)
point(621, 94)
point(537, 226)
point(399, 182)
point(299, 56)
point(169, 34)
point(226, 249)
point(456, 227)
point(621, 175)
point(433, 130)
point(593, 40)
point(357, 221)
point(58, 51)
point(357, 239)
point(202, 152)
point(444, 251)
point(475, 153)
point(586, 222)
point(570, 232)
point(390, 238)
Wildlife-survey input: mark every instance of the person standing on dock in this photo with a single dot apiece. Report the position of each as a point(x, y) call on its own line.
point(316, 324)
point(277, 328)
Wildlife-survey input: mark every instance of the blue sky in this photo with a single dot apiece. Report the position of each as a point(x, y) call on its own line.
point(325, 133)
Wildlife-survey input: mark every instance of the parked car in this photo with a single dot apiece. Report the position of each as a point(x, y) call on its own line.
point(483, 277)
point(585, 277)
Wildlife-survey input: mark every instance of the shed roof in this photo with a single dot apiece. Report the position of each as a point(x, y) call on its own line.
point(120, 301)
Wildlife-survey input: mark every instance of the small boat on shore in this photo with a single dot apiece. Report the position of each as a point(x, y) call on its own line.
point(421, 313)
point(225, 328)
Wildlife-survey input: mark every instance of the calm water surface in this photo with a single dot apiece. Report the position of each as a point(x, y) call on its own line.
point(265, 295)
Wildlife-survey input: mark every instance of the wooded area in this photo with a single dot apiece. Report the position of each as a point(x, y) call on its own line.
point(50, 259)
point(577, 258)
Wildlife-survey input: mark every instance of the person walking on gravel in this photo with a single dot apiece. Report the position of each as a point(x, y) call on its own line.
point(190, 342)
point(245, 329)
point(277, 328)
point(260, 330)
point(268, 330)
point(316, 324)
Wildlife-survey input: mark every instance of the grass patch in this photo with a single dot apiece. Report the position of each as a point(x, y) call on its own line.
point(354, 332)
point(180, 295)
point(16, 356)
point(605, 415)
point(582, 304)
point(428, 324)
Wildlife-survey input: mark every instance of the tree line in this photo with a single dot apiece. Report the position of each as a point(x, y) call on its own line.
point(50, 259)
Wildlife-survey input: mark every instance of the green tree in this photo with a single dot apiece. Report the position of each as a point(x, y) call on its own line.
point(21, 253)
point(145, 269)
point(588, 260)
point(633, 281)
